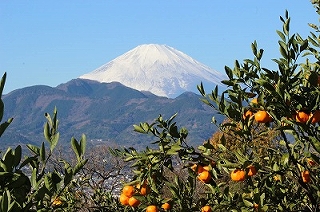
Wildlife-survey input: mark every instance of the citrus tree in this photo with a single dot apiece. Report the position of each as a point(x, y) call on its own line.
point(273, 117)
point(285, 101)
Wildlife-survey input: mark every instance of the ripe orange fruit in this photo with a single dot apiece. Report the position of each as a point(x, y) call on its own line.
point(305, 176)
point(166, 206)
point(251, 170)
point(204, 176)
point(262, 117)
point(238, 175)
point(144, 189)
point(128, 190)
point(255, 206)
point(133, 202)
point(124, 200)
point(152, 208)
point(248, 113)
point(302, 116)
point(315, 117)
point(206, 208)
point(197, 167)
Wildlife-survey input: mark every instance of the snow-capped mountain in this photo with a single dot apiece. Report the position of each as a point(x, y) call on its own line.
point(160, 69)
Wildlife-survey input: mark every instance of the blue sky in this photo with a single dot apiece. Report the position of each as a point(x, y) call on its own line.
point(52, 42)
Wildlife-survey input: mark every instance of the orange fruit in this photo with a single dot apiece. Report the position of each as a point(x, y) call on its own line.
point(128, 190)
point(124, 200)
point(57, 202)
point(204, 176)
point(133, 202)
point(197, 167)
point(206, 208)
point(152, 208)
point(248, 113)
point(251, 170)
point(255, 206)
point(238, 175)
point(144, 189)
point(315, 117)
point(305, 176)
point(277, 177)
point(166, 206)
point(302, 116)
point(262, 117)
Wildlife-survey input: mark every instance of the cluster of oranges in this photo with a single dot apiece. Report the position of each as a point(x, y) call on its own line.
point(241, 174)
point(262, 116)
point(127, 197)
point(304, 116)
point(203, 172)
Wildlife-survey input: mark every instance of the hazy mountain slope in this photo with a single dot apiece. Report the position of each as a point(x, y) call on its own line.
point(104, 111)
point(160, 69)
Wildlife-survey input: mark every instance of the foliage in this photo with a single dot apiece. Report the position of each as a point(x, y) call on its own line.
point(27, 184)
point(265, 156)
point(274, 157)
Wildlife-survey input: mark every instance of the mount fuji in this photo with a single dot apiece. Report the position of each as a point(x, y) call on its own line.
point(159, 69)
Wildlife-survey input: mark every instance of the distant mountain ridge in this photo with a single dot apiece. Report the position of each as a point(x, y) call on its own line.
point(160, 69)
point(103, 111)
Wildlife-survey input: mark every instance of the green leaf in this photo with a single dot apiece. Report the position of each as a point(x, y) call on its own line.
point(304, 45)
point(8, 160)
point(5, 201)
point(17, 156)
point(46, 132)
point(283, 52)
point(33, 179)
point(4, 126)
point(285, 159)
point(254, 48)
point(76, 148)
point(34, 149)
point(2, 82)
point(43, 152)
point(1, 109)
point(79, 166)
point(247, 203)
point(139, 129)
point(228, 72)
point(174, 149)
point(286, 27)
point(281, 35)
point(28, 160)
point(83, 143)
point(201, 89)
point(68, 173)
point(54, 141)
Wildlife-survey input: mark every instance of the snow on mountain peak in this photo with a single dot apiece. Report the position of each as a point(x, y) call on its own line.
point(160, 69)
